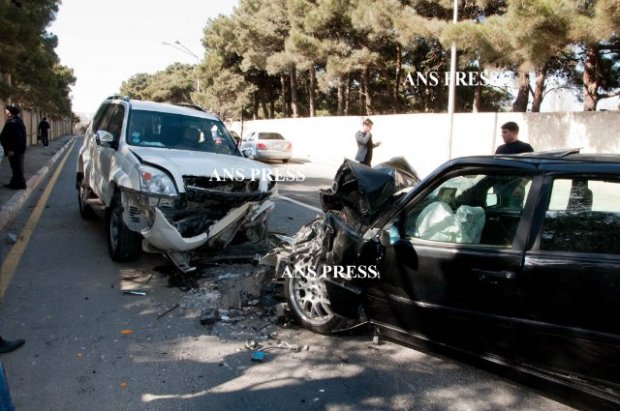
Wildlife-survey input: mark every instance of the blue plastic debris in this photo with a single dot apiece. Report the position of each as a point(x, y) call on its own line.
point(258, 356)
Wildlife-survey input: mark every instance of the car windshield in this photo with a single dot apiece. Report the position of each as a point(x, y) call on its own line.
point(180, 132)
point(270, 136)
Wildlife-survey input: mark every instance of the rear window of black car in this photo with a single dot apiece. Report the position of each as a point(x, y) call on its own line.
point(583, 215)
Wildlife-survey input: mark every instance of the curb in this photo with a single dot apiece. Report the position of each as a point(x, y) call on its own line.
point(12, 207)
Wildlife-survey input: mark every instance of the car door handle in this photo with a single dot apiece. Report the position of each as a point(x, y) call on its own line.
point(493, 276)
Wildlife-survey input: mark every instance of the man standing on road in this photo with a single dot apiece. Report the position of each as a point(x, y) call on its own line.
point(13, 140)
point(44, 127)
point(365, 145)
point(512, 145)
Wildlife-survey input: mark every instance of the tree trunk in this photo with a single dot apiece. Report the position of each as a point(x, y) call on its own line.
point(293, 77)
point(255, 106)
point(312, 91)
point(591, 78)
point(520, 104)
point(341, 96)
point(362, 94)
point(396, 90)
point(367, 96)
point(263, 104)
point(347, 94)
point(477, 104)
point(539, 89)
point(272, 108)
point(283, 95)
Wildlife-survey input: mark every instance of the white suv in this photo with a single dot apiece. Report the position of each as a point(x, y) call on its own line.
point(169, 179)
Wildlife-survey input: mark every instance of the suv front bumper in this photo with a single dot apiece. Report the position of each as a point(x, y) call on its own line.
point(166, 238)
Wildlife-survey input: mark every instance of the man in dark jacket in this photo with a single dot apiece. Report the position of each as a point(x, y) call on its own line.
point(365, 145)
point(13, 140)
point(512, 144)
point(44, 127)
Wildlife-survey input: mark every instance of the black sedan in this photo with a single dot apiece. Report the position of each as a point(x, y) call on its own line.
point(512, 260)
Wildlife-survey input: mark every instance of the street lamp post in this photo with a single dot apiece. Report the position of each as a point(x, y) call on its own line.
point(181, 47)
point(452, 90)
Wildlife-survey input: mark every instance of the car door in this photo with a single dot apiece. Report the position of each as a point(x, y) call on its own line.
point(89, 148)
point(451, 273)
point(569, 288)
point(91, 159)
point(246, 144)
point(112, 122)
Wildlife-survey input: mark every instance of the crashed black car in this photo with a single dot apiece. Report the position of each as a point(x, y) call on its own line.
point(512, 260)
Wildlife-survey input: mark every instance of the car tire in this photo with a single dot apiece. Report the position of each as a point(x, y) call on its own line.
point(84, 193)
point(308, 300)
point(285, 161)
point(123, 244)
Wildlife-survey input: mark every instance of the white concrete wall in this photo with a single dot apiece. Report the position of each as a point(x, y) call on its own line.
point(423, 139)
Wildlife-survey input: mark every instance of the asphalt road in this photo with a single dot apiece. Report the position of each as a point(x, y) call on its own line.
point(90, 347)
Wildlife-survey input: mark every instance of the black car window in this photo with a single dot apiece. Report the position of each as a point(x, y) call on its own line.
point(112, 120)
point(470, 209)
point(583, 215)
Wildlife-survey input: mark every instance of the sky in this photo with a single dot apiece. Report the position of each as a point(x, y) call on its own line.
point(107, 41)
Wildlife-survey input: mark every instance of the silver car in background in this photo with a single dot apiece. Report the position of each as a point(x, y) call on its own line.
point(262, 145)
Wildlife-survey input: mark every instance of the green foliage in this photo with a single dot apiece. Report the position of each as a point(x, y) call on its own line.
point(227, 96)
point(548, 36)
point(31, 74)
point(175, 84)
point(277, 58)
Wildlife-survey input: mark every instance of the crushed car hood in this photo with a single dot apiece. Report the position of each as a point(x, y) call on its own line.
point(367, 190)
point(196, 163)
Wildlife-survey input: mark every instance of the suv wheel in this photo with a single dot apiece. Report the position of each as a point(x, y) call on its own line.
point(123, 244)
point(309, 302)
point(84, 193)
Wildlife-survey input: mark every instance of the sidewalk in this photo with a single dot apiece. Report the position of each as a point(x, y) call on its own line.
point(37, 165)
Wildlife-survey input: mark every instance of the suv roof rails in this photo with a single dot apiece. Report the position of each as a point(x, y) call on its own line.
point(188, 105)
point(559, 153)
point(118, 97)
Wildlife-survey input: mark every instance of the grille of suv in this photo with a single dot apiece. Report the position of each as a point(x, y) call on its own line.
point(226, 185)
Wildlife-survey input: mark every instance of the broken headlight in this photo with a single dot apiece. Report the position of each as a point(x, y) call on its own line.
point(156, 181)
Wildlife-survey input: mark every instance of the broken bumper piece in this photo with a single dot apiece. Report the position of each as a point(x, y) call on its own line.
point(164, 237)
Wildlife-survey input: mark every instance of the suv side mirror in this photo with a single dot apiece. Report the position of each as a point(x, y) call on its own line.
point(105, 139)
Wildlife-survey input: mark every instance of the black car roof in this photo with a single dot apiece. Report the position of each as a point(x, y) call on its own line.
point(560, 160)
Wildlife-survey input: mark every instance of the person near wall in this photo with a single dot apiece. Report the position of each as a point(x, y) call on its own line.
point(365, 144)
point(13, 140)
point(512, 144)
point(43, 131)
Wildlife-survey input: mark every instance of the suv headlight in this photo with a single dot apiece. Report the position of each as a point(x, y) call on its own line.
point(156, 181)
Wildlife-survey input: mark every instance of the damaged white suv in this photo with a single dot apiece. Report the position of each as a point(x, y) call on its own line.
point(169, 179)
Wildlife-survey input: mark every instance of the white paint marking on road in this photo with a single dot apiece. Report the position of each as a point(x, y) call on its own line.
point(308, 206)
